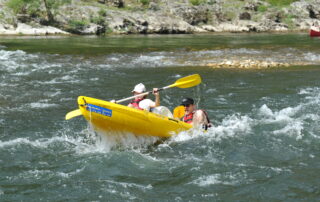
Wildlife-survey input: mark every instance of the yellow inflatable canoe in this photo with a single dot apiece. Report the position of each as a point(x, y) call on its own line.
point(110, 117)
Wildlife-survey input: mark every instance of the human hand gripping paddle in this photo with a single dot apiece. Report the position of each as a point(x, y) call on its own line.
point(185, 82)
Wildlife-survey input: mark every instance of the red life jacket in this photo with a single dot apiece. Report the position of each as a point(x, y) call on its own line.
point(136, 102)
point(189, 118)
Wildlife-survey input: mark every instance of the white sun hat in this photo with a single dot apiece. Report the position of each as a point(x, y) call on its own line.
point(139, 88)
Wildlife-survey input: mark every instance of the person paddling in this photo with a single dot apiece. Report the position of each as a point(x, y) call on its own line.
point(141, 102)
point(194, 116)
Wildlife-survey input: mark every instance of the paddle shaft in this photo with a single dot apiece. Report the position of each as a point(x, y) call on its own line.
point(142, 94)
point(185, 82)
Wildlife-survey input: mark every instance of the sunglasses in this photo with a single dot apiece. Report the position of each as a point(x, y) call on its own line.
point(186, 105)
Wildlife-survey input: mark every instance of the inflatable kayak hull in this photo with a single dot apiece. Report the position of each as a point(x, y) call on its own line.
point(110, 117)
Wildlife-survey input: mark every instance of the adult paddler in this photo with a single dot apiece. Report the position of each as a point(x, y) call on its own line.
point(194, 116)
point(142, 102)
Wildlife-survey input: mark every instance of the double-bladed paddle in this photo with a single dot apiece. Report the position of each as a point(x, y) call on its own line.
point(185, 82)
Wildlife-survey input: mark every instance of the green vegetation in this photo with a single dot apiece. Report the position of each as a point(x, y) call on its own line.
point(100, 19)
point(77, 24)
point(262, 8)
point(97, 20)
point(196, 2)
point(280, 2)
point(230, 15)
point(30, 7)
point(33, 7)
point(1, 15)
point(145, 2)
point(102, 12)
point(288, 20)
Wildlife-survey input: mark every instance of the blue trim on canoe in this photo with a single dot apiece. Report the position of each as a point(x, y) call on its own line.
point(99, 110)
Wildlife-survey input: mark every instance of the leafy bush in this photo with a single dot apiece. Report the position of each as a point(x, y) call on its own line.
point(280, 2)
point(288, 20)
point(15, 5)
point(102, 12)
point(33, 7)
point(98, 20)
point(145, 2)
point(262, 8)
point(196, 2)
point(23, 6)
point(77, 24)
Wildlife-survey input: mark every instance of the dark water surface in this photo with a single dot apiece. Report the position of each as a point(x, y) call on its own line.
point(264, 146)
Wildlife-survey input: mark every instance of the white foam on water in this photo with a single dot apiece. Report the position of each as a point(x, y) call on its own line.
point(177, 76)
point(186, 135)
point(289, 121)
point(221, 100)
point(211, 90)
point(39, 143)
point(43, 174)
point(276, 169)
point(115, 59)
point(86, 142)
point(217, 179)
point(292, 129)
point(296, 121)
point(286, 119)
point(231, 127)
point(246, 51)
point(91, 141)
point(59, 80)
point(21, 74)
point(52, 94)
point(152, 61)
point(312, 57)
point(11, 61)
point(178, 58)
point(127, 140)
point(120, 188)
point(306, 91)
point(8, 55)
point(41, 105)
point(70, 174)
point(284, 115)
point(66, 99)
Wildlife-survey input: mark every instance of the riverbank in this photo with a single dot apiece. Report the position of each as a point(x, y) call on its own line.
point(158, 17)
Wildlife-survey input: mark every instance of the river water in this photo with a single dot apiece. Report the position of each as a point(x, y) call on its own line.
point(264, 145)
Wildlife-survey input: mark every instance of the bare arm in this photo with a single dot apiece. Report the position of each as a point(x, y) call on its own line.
point(157, 99)
point(199, 118)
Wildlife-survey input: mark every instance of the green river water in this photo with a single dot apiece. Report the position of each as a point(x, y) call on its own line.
point(264, 145)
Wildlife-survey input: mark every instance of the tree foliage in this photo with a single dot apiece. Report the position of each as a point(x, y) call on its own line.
point(280, 2)
point(36, 7)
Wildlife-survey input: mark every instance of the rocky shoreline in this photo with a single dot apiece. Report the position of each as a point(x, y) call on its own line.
point(252, 64)
point(162, 17)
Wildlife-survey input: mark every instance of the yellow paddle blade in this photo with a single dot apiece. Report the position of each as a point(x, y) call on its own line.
point(73, 114)
point(187, 82)
point(178, 112)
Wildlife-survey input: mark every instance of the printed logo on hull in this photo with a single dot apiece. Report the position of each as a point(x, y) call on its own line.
point(99, 110)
